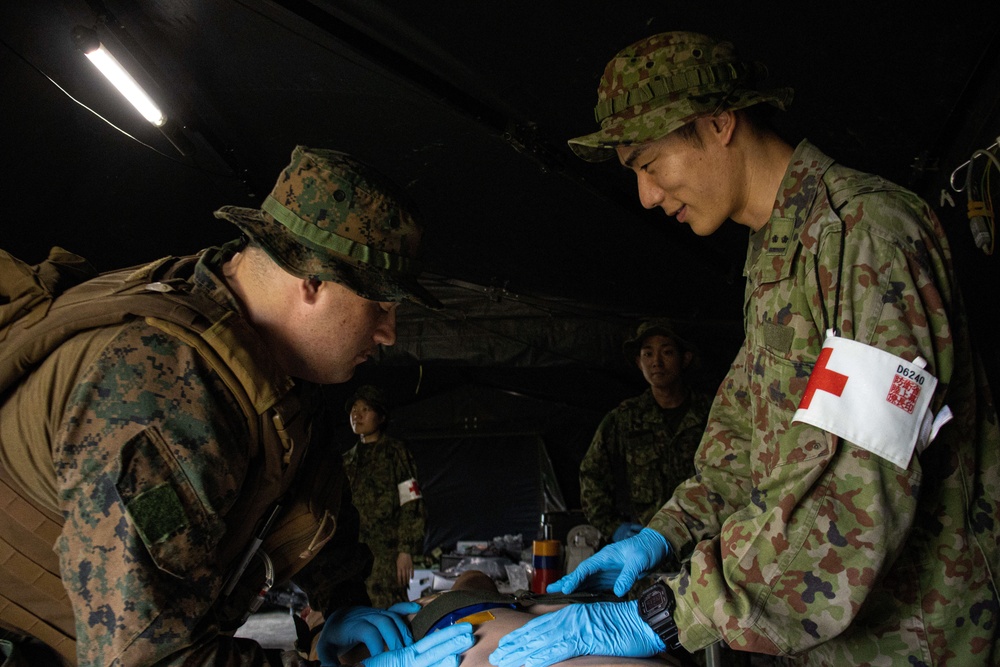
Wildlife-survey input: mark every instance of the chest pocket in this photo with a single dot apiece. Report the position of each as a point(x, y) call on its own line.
point(766, 300)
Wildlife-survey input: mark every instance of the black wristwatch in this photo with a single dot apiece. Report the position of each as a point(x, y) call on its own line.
point(656, 608)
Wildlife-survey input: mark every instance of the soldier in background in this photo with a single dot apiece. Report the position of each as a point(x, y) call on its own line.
point(385, 491)
point(841, 544)
point(645, 447)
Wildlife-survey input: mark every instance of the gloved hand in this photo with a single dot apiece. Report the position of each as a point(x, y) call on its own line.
point(596, 628)
point(438, 649)
point(626, 530)
point(616, 566)
point(379, 629)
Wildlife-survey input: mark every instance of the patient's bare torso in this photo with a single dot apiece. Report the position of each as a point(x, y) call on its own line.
point(489, 633)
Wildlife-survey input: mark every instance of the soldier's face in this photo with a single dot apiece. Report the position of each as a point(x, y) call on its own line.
point(365, 420)
point(662, 362)
point(336, 330)
point(686, 177)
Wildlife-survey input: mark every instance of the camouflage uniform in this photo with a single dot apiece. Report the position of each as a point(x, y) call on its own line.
point(148, 457)
point(376, 469)
point(802, 543)
point(154, 437)
point(655, 460)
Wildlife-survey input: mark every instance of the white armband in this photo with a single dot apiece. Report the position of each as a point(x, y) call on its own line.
point(871, 398)
point(408, 490)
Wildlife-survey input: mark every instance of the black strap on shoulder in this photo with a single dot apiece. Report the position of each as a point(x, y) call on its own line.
point(836, 295)
point(159, 289)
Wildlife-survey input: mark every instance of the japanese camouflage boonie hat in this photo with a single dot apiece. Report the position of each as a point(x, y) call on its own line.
point(657, 327)
point(371, 395)
point(333, 218)
point(663, 82)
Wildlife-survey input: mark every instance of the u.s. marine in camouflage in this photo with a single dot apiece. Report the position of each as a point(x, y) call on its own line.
point(146, 452)
point(170, 436)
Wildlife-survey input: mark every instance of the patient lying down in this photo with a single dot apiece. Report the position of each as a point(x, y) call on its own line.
point(491, 623)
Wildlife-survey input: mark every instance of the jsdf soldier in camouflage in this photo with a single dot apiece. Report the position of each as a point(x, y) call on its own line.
point(159, 448)
point(794, 541)
point(645, 447)
point(385, 491)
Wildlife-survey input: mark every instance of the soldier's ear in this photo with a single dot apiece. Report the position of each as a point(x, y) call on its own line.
point(309, 289)
point(721, 126)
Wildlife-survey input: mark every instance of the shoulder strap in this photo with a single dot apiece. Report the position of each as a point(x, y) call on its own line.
point(160, 293)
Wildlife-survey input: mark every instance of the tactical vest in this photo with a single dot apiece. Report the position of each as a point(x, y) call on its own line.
point(45, 305)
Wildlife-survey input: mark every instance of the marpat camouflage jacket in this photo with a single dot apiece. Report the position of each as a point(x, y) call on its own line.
point(800, 543)
point(159, 484)
point(655, 460)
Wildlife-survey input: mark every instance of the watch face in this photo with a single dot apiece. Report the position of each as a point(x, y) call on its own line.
point(654, 600)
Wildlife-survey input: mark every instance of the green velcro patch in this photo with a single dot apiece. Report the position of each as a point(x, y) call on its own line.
point(778, 337)
point(157, 513)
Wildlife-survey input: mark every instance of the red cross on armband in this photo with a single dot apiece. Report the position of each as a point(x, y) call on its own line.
point(823, 379)
point(408, 491)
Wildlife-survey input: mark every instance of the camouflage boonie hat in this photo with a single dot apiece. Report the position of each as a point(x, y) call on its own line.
point(372, 395)
point(657, 327)
point(332, 218)
point(661, 83)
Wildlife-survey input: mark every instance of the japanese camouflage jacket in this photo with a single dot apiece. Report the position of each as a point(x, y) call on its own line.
point(150, 458)
point(389, 526)
point(655, 461)
point(800, 543)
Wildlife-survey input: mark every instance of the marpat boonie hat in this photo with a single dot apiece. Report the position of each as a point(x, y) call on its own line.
point(333, 218)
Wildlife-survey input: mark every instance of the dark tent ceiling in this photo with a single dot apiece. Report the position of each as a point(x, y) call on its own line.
point(469, 106)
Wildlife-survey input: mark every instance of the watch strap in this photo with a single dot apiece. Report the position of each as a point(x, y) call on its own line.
point(660, 618)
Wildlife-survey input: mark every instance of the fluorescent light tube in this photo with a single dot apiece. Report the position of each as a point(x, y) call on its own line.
point(109, 66)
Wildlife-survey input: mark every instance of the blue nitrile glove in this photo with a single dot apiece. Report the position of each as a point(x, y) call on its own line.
point(438, 649)
point(596, 628)
point(616, 566)
point(379, 629)
point(626, 530)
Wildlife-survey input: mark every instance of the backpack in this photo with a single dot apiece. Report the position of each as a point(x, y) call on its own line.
point(26, 291)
